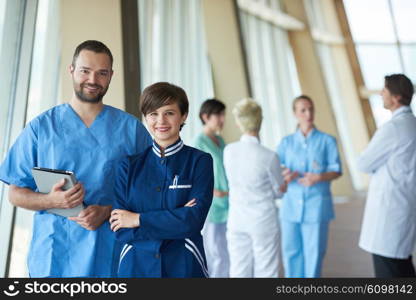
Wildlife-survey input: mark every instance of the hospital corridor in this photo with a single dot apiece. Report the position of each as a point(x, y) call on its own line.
point(207, 139)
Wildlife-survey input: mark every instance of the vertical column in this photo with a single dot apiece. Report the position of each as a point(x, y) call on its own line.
point(359, 118)
point(355, 66)
point(92, 20)
point(131, 51)
point(226, 56)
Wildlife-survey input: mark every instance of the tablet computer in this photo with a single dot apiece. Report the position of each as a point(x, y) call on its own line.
point(46, 178)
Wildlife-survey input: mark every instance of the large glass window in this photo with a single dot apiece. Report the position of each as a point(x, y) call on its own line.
point(172, 48)
point(2, 15)
point(370, 21)
point(12, 14)
point(404, 19)
point(272, 71)
point(29, 71)
point(44, 83)
point(376, 60)
point(42, 95)
point(333, 83)
point(385, 40)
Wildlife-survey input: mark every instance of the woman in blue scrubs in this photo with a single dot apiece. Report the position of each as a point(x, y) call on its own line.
point(163, 195)
point(312, 161)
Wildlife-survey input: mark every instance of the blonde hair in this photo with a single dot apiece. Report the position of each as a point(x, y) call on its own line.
point(248, 115)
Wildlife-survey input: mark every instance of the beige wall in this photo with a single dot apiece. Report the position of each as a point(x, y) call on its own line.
point(98, 20)
point(226, 57)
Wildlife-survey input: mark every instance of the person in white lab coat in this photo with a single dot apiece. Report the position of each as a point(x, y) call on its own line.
point(389, 225)
point(255, 181)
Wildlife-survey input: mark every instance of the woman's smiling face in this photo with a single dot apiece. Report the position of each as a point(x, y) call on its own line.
point(164, 124)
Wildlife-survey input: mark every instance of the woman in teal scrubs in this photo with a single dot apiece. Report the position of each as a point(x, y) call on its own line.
point(212, 115)
point(312, 161)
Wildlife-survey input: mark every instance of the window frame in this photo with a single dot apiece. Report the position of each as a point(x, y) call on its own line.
point(21, 57)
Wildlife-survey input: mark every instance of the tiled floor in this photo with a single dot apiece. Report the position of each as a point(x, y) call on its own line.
point(344, 258)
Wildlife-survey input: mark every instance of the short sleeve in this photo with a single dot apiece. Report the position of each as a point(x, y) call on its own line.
point(226, 160)
point(334, 161)
point(17, 167)
point(198, 143)
point(281, 151)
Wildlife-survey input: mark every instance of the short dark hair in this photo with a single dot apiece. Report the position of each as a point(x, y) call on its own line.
point(163, 93)
point(211, 107)
point(92, 45)
point(301, 97)
point(400, 85)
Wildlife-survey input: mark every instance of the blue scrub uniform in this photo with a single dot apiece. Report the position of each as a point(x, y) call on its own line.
point(168, 242)
point(306, 211)
point(58, 139)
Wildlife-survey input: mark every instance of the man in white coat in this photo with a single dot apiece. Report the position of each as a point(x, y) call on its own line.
point(389, 226)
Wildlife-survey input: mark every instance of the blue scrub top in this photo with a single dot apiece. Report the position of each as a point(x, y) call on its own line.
point(316, 153)
point(168, 242)
point(58, 139)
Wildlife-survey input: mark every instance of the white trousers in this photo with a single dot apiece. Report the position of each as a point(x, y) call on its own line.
point(216, 252)
point(253, 254)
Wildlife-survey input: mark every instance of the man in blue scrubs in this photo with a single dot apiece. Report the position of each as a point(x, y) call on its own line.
point(81, 136)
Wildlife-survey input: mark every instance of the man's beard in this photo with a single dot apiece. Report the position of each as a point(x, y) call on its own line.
point(84, 98)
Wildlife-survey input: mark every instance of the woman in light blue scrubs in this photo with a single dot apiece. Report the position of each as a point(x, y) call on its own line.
point(312, 161)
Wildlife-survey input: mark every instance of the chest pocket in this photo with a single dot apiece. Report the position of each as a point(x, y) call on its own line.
point(318, 164)
point(178, 192)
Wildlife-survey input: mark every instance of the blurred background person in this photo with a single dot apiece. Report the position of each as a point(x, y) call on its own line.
point(389, 226)
point(255, 180)
point(312, 161)
point(212, 115)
